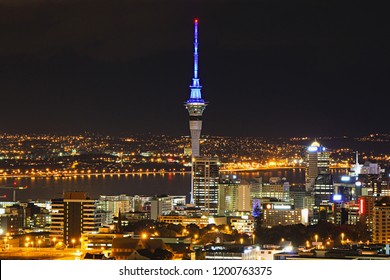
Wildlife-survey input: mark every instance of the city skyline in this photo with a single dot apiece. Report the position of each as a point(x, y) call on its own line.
point(268, 68)
point(93, 94)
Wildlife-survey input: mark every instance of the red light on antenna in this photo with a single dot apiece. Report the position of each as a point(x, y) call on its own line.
point(196, 20)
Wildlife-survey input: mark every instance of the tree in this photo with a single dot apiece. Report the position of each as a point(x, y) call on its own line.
point(161, 254)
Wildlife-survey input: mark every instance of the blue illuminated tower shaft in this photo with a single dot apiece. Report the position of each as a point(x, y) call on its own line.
point(195, 104)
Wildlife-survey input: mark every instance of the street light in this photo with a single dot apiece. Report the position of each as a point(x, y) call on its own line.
point(73, 241)
point(342, 238)
point(39, 243)
point(316, 237)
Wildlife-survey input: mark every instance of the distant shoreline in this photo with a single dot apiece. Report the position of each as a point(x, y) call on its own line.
point(147, 172)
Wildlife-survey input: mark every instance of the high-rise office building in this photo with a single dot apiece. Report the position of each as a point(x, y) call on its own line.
point(322, 193)
point(366, 210)
point(228, 194)
point(205, 182)
point(13, 220)
point(111, 205)
point(297, 196)
point(160, 205)
point(233, 195)
point(371, 180)
point(276, 188)
point(317, 162)
point(381, 222)
point(73, 215)
point(244, 202)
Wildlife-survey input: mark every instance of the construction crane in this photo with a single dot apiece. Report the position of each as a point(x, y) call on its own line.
point(15, 186)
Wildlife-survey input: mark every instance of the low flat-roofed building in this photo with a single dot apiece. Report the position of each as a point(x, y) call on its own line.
point(239, 252)
point(242, 224)
point(184, 220)
point(281, 214)
point(100, 240)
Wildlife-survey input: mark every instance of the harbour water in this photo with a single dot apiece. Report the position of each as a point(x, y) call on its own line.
point(132, 184)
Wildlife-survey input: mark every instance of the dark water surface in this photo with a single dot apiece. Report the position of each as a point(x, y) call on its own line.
point(151, 184)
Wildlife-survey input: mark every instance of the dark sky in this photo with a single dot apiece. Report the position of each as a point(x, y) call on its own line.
point(267, 67)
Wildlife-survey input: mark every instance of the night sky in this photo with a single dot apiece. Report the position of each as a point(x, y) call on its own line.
point(267, 67)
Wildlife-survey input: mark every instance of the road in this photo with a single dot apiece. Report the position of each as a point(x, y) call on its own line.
point(40, 254)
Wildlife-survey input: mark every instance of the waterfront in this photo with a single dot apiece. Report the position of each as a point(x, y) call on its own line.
point(151, 184)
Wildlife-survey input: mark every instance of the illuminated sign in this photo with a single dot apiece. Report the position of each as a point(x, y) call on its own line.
point(361, 206)
point(282, 207)
point(312, 149)
point(358, 183)
point(337, 197)
point(345, 178)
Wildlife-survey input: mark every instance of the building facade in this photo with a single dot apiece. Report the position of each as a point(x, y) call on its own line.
point(73, 215)
point(317, 162)
point(205, 180)
point(381, 222)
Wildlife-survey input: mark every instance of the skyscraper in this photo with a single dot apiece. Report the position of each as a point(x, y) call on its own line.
point(322, 193)
point(317, 162)
point(381, 221)
point(195, 104)
point(228, 194)
point(73, 215)
point(205, 183)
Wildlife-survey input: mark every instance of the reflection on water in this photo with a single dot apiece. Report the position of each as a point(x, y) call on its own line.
point(131, 184)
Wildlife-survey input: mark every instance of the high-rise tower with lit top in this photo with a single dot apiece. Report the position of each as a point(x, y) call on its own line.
point(195, 104)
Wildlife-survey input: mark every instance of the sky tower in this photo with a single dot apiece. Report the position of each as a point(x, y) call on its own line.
point(195, 104)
